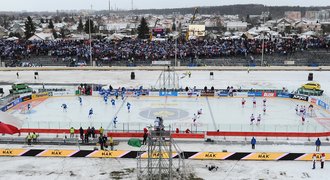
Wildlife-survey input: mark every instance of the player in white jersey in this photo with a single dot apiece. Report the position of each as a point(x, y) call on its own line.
point(252, 119)
point(264, 101)
point(297, 107)
point(264, 110)
point(258, 119)
point(194, 119)
point(243, 102)
point(254, 102)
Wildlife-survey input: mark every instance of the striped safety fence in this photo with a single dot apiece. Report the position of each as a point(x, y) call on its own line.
point(256, 156)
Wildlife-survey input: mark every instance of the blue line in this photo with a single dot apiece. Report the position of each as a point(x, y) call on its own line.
point(208, 104)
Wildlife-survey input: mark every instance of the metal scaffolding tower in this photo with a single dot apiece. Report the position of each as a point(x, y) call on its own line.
point(168, 79)
point(158, 161)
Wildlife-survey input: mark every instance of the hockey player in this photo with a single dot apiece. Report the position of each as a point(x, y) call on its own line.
point(80, 100)
point(297, 107)
point(264, 101)
point(122, 96)
point(90, 113)
point(258, 119)
point(128, 107)
point(311, 110)
point(301, 110)
point(243, 102)
point(65, 107)
point(254, 102)
point(200, 111)
point(29, 107)
point(116, 94)
point(113, 102)
point(252, 119)
point(115, 122)
point(194, 119)
point(302, 119)
point(105, 98)
point(264, 110)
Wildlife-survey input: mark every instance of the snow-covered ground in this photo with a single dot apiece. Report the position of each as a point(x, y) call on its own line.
point(255, 79)
point(13, 168)
point(83, 168)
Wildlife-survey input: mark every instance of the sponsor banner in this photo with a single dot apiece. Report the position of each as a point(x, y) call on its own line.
point(269, 94)
point(309, 157)
point(17, 101)
point(221, 93)
point(26, 98)
point(169, 93)
point(57, 153)
point(322, 104)
point(153, 93)
point(211, 155)
point(107, 154)
point(207, 93)
point(39, 95)
point(4, 109)
point(254, 94)
point(161, 62)
point(188, 94)
point(240, 94)
point(156, 155)
point(313, 100)
point(284, 95)
point(10, 105)
point(264, 156)
point(300, 97)
point(12, 152)
point(62, 93)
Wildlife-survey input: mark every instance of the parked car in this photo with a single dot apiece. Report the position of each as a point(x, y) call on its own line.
point(312, 86)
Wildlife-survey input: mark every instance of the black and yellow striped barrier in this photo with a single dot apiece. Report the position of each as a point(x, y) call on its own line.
point(255, 156)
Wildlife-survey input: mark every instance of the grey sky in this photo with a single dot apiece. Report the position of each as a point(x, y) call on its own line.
point(53, 5)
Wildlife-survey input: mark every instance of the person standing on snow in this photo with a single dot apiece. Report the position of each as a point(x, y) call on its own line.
point(318, 144)
point(314, 160)
point(253, 142)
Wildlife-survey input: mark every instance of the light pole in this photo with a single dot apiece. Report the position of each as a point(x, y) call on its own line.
point(262, 48)
point(90, 38)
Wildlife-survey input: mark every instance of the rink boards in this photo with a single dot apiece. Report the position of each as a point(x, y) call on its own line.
point(255, 156)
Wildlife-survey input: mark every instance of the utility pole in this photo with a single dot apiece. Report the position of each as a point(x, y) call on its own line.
point(109, 7)
point(132, 4)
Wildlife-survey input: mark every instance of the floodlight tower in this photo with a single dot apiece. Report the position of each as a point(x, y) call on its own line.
point(161, 158)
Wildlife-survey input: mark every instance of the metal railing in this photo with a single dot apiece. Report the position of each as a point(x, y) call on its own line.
point(195, 128)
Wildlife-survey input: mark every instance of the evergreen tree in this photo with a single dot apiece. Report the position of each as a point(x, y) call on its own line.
point(80, 27)
point(87, 24)
point(143, 29)
point(29, 28)
point(62, 32)
point(51, 25)
point(54, 34)
point(173, 27)
point(42, 20)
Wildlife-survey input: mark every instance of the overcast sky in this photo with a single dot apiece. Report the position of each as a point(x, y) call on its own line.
point(53, 5)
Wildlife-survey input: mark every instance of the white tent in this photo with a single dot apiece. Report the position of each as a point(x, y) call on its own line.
point(309, 33)
point(42, 37)
point(12, 39)
point(115, 36)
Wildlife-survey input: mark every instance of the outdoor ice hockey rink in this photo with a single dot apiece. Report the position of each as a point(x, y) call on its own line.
point(218, 113)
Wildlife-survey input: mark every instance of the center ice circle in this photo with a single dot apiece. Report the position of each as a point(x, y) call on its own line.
point(165, 113)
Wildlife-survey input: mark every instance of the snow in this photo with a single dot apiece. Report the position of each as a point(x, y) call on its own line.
point(82, 168)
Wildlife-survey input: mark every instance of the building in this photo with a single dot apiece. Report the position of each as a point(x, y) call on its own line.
point(236, 26)
point(293, 15)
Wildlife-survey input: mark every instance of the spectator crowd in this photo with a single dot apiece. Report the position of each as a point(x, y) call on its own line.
point(156, 50)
